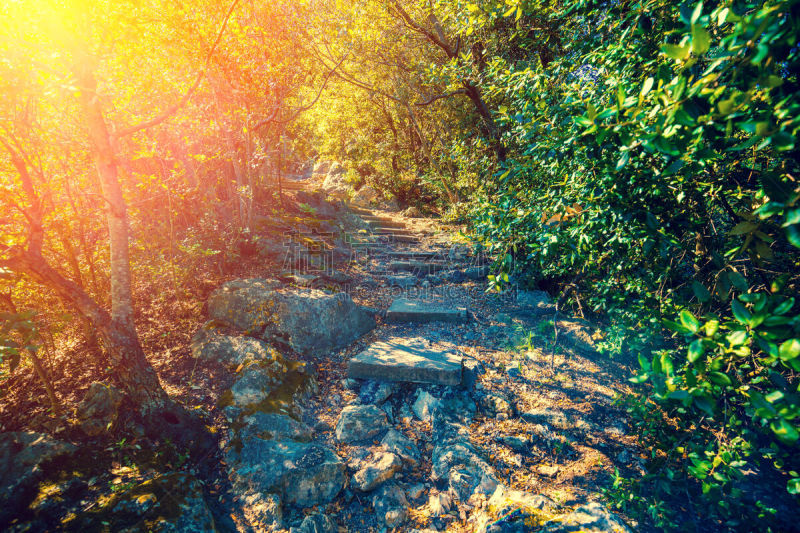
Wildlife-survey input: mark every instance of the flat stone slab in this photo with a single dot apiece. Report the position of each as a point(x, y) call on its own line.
point(405, 310)
point(407, 359)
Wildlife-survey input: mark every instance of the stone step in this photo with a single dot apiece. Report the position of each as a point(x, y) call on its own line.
point(415, 254)
point(407, 359)
point(413, 239)
point(392, 231)
point(406, 310)
point(376, 222)
point(420, 267)
point(360, 210)
point(292, 185)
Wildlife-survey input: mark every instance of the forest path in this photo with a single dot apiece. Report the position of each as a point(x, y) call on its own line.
point(530, 415)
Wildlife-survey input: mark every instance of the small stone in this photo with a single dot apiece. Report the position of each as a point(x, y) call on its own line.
point(592, 518)
point(315, 523)
point(99, 408)
point(537, 302)
point(477, 273)
point(516, 443)
point(375, 392)
point(548, 470)
point(350, 384)
point(416, 492)
point(359, 422)
point(399, 444)
point(380, 468)
point(390, 504)
point(425, 405)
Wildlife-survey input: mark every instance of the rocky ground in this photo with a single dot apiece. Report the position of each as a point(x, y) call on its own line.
point(371, 384)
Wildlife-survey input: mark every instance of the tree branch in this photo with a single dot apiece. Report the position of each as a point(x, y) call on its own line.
point(182, 102)
point(432, 99)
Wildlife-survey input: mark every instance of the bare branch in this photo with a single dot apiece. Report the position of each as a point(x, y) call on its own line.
point(432, 99)
point(182, 102)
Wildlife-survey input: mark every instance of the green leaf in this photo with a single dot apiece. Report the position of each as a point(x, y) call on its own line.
point(719, 378)
point(789, 349)
point(639, 379)
point(698, 10)
point(784, 430)
point(743, 227)
point(740, 312)
point(793, 235)
point(793, 486)
point(696, 350)
point(679, 394)
point(689, 321)
point(676, 51)
point(648, 84)
point(701, 40)
point(701, 292)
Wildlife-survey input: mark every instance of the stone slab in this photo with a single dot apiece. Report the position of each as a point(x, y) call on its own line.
point(409, 360)
point(406, 310)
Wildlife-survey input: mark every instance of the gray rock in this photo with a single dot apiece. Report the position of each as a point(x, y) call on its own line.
point(412, 212)
point(254, 384)
point(552, 417)
point(406, 310)
point(381, 467)
point(99, 408)
point(315, 523)
point(577, 335)
point(589, 518)
point(399, 444)
point(404, 282)
point(518, 443)
point(22, 456)
point(375, 392)
point(262, 511)
point(456, 461)
point(274, 426)
point(425, 405)
point(302, 474)
point(366, 196)
point(310, 321)
point(495, 404)
point(359, 422)
point(209, 344)
point(169, 503)
point(390, 504)
point(350, 384)
point(407, 359)
point(537, 302)
point(476, 273)
point(415, 492)
point(455, 276)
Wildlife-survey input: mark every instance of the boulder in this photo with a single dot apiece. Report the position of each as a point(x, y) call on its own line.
point(275, 426)
point(315, 523)
point(262, 511)
point(318, 200)
point(366, 196)
point(402, 446)
point(169, 503)
point(359, 422)
point(425, 405)
point(390, 504)
point(412, 212)
point(209, 343)
point(476, 273)
point(22, 456)
point(99, 408)
point(589, 518)
point(309, 321)
point(379, 468)
point(375, 392)
point(301, 473)
point(456, 461)
point(537, 302)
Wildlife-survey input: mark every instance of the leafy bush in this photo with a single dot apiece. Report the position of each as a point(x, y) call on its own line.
point(653, 167)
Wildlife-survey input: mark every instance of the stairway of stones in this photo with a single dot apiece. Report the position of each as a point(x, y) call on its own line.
point(355, 407)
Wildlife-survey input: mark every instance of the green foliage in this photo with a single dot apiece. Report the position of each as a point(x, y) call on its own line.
point(18, 332)
point(652, 165)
